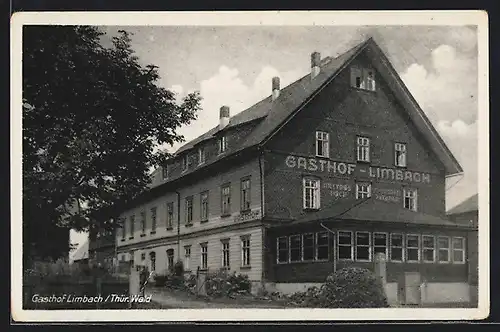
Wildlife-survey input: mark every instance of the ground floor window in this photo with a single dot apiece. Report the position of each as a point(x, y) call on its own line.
point(397, 247)
point(282, 244)
point(345, 245)
point(380, 244)
point(363, 246)
point(295, 248)
point(245, 251)
point(225, 253)
point(308, 247)
point(152, 258)
point(458, 250)
point(204, 255)
point(187, 258)
point(322, 247)
point(170, 259)
point(443, 249)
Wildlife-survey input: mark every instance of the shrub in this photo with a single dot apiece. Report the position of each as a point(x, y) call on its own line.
point(222, 284)
point(161, 280)
point(352, 288)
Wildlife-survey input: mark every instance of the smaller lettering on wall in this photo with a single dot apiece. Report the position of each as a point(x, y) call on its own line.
point(248, 216)
point(387, 195)
point(337, 190)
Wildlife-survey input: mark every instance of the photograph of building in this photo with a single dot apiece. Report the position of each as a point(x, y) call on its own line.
point(324, 173)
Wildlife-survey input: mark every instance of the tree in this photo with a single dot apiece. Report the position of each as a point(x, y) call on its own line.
point(92, 116)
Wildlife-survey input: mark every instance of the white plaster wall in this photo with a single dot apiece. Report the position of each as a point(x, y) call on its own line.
point(445, 292)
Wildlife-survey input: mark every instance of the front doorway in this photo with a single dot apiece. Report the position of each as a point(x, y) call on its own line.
point(412, 288)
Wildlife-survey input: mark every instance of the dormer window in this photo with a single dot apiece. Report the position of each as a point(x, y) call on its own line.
point(164, 172)
point(400, 154)
point(363, 78)
point(201, 155)
point(222, 144)
point(184, 163)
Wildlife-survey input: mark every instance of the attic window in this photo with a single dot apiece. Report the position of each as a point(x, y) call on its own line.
point(363, 78)
point(184, 163)
point(222, 144)
point(164, 172)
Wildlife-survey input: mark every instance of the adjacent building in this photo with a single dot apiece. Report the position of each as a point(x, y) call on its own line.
point(324, 173)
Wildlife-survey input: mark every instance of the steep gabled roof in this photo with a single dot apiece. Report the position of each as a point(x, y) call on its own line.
point(274, 115)
point(469, 205)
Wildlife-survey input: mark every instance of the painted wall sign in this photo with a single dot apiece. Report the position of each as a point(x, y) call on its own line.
point(345, 169)
point(247, 216)
point(387, 195)
point(338, 190)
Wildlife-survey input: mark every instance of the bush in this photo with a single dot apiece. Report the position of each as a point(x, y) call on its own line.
point(161, 280)
point(352, 288)
point(220, 284)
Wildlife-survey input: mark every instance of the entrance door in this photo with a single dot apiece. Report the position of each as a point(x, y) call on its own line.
point(412, 287)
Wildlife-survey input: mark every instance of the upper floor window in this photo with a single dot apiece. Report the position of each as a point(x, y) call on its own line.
point(153, 219)
point(311, 195)
point(363, 78)
point(184, 163)
point(189, 210)
point(204, 206)
point(170, 215)
point(322, 144)
point(410, 199)
point(400, 154)
point(245, 194)
point(363, 149)
point(363, 190)
point(124, 227)
point(164, 172)
point(201, 155)
point(143, 222)
point(222, 144)
point(226, 199)
point(132, 225)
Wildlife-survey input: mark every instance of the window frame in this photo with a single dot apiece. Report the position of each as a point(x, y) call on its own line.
point(323, 140)
point(152, 260)
point(386, 246)
point(279, 250)
point(154, 219)
point(245, 251)
point(169, 211)
point(345, 245)
point(188, 210)
point(363, 151)
point(222, 142)
point(223, 201)
point(201, 155)
point(185, 163)
point(132, 226)
point(366, 76)
point(165, 172)
point(415, 198)
point(225, 251)
point(304, 247)
point(440, 249)
point(204, 206)
point(187, 257)
point(368, 193)
point(170, 267)
point(204, 255)
point(462, 250)
point(404, 151)
point(419, 245)
point(370, 255)
point(316, 193)
point(425, 248)
point(317, 246)
point(299, 248)
point(245, 192)
point(402, 247)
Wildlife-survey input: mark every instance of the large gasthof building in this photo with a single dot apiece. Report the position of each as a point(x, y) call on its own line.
point(322, 174)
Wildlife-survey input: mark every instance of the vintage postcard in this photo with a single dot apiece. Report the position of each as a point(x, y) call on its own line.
point(276, 165)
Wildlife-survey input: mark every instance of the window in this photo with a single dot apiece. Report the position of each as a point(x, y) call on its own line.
point(143, 222)
point(204, 255)
point(170, 215)
point(295, 248)
point(204, 206)
point(184, 163)
point(400, 154)
point(322, 247)
point(380, 244)
point(363, 246)
point(225, 253)
point(322, 144)
point(363, 190)
point(222, 144)
point(170, 259)
point(143, 257)
point(226, 199)
point(282, 244)
point(201, 155)
point(152, 258)
point(429, 248)
point(311, 193)
point(363, 78)
point(124, 228)
point(410, 199)
point(458, 250)
point(132, 225)
point(153, 219)
point(164, 172)
point(443, 249)
point(308, 247)
point(412, 248)
point(187, 258)
point(396, 247)
point(189, 210)
point(345, 245)
point(245, 194)
point(363, 149)
point(245, 251)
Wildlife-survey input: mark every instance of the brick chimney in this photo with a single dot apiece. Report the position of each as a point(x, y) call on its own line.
point(275, 88)
point(315, 61)
point(224, 117)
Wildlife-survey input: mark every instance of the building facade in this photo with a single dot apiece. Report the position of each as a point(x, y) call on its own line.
point(324, 173)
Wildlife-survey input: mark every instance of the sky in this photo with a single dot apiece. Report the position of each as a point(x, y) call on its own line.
point(234, 65)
